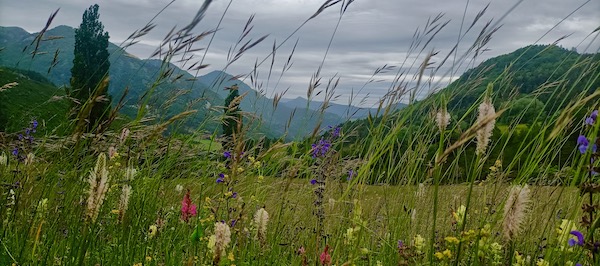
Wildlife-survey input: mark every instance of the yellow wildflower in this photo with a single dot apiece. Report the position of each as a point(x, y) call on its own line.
point(452, 240)
point(152, 230)
point(439, 255)
point(542, 262)
point(419, 241)
point(231, 257)
point(447, 253)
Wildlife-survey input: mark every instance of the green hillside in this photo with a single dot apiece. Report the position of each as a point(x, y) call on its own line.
point(33, 98)
point(536, 76)
point(533, 84)
point(174, 93)
point(54, 61)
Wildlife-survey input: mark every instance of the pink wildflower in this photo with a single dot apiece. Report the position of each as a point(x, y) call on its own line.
point(187, 208)
point(325, 257)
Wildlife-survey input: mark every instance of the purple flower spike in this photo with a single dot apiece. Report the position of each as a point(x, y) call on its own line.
point(583, 144)
point(221, 178)
point(350, 174)
point(227, 154)
point(34, 124)
point(400, 244)
point(592, 119)
point(320, 148)
point(312, 182)
point(234, 195)
point(15, 151)
point(579, 241)
point(337, 132)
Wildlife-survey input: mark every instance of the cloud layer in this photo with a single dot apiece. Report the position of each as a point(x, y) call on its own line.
point(371, 34)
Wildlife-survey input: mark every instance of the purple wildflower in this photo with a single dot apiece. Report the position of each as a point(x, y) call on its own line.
point(584, 144)
point(579, 241)
point(233, 222)
point(592, 118)
point(400, 244)
point(15, 151)
point(320, 148)
point(20, 136)
point(27, 132)
point(227, 154)
point(336, 132)
point(34, 125)
point(350, 174)
point(221, 178)
point(234, 195)
point(312, 182)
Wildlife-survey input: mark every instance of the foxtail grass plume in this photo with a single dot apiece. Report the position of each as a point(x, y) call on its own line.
point(3, 159)
point(130, 173)
point(124, 134)
point(124, 201)
point(112, 152)
point(486, 112)
point(29, 159)
point(98, 181)
point(261, 218)
point(442, 119)
point(219, 241)
point(515, 210)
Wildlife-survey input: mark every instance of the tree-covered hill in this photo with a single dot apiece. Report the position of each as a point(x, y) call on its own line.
point(532, 85)
point(540, 76)
point(54, 60)
point(33, 97)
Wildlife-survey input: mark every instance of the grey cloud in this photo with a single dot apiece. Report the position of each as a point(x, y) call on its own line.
point(372, 33)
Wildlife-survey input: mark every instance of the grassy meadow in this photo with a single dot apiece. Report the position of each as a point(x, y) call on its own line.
point(447, 180)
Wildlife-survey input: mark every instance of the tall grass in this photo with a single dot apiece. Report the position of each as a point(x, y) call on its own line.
point(410, 191)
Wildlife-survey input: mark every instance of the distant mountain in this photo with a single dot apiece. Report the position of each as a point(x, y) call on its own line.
point(126, 71)
point(54, 60)
point(347, 112)
point(294, 121)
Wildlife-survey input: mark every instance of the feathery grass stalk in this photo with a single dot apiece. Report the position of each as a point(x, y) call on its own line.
point(515, 210)
point(261, 218)
point(442, 121)
point(98, 185)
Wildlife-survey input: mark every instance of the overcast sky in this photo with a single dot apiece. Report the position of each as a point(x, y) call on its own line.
point(372, 33)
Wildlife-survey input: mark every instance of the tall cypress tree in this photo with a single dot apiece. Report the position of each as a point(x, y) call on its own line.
point(233, 118)
point(89, 75)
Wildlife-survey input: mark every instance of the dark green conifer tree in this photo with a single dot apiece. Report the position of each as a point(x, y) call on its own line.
point(233, 118)
point(89, 75)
